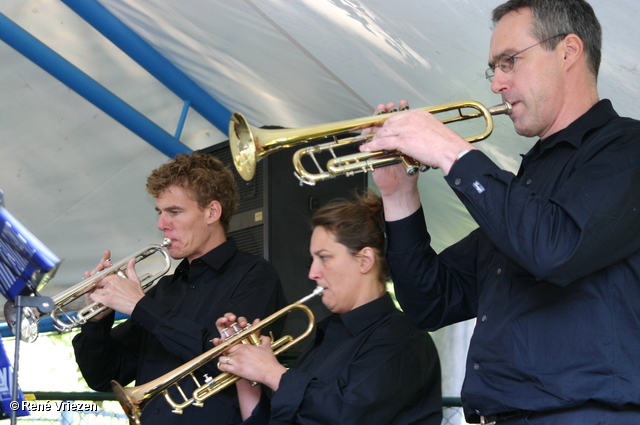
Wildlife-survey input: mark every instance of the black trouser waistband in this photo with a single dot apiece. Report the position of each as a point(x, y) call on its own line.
point(515, 414)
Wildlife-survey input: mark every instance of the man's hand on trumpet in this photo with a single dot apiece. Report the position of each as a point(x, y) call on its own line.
point(105, 263)
point(397, 187)
point(118, 291)
point(420, 135)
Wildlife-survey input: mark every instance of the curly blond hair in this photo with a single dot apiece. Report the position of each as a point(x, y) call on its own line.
point(201, 175)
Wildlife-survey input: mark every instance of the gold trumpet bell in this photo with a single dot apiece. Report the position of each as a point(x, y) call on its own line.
point(130, 406)
point(242, 146)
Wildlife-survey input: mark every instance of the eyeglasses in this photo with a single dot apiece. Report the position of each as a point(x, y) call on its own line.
point(505, 63)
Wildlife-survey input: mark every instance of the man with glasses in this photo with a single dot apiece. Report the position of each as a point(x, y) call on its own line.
point(552, 274)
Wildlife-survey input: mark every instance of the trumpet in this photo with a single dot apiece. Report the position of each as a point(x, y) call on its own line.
point(249, 144)
point(135, 399)
point(62, 321)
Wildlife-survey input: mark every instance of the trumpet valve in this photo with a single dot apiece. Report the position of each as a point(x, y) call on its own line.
point(253, 339)
point(207, 381)
point(412, 166)
point(232, 330)
point(225, 333)
point(361, 138)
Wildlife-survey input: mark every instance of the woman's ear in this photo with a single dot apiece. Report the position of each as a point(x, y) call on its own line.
point(367, 259)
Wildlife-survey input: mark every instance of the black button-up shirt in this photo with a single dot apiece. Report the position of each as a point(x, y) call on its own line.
point(173, 324)
point(552, 273)
point(366, 366)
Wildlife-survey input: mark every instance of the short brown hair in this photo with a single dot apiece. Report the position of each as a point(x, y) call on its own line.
point(203, 176)
point(356, 225)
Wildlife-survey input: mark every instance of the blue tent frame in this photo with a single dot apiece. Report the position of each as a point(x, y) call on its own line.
point(142, 53)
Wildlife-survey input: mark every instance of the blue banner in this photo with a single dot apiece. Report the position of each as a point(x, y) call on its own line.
point(6, 380)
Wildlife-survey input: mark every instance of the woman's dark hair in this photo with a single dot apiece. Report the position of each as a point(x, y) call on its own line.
point(356, 225)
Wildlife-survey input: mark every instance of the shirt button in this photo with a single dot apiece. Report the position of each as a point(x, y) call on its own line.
point(529, 181)
point(457, 182)
point(484, 318)
point(499, 272)
point(476, 366)
point(192, 286)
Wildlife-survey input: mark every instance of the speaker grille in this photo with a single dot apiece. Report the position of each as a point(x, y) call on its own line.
point(250, 239)
point(251, 193)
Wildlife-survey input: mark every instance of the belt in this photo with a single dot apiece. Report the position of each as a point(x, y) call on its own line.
point(494, 419)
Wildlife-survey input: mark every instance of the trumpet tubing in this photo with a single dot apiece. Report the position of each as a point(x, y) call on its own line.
point(249, 144)
point(134, 399)
point(226, 379)
point(62, 321)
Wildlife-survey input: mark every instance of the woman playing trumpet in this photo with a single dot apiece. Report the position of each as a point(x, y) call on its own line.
point(367, 364)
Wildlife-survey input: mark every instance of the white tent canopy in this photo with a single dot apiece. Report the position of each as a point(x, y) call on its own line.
point(75, 176)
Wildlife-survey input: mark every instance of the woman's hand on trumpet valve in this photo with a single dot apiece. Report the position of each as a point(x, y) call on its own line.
point(255, 363)
point(228, 325)
point(119, 291)
point(420, 135)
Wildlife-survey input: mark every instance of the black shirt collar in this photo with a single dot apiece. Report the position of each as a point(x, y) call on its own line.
point(216, 258)
point(596, 117)
point(358, 319)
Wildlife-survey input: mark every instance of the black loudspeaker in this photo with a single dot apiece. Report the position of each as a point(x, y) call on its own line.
point(273, 221)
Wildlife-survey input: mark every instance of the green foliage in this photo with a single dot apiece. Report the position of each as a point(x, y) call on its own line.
point(392, 291)
point(48, 364)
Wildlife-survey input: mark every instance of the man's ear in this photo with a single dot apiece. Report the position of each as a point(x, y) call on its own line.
point(215, 211)
point(572, 48)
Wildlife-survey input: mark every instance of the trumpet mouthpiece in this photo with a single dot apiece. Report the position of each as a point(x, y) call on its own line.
point(315, 292)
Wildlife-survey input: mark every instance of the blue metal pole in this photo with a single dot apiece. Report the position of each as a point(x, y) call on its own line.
point(63, 70)
point(149, 58)
point(183, 118)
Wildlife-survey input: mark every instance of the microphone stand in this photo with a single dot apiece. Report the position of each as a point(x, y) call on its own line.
point(44, 305)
